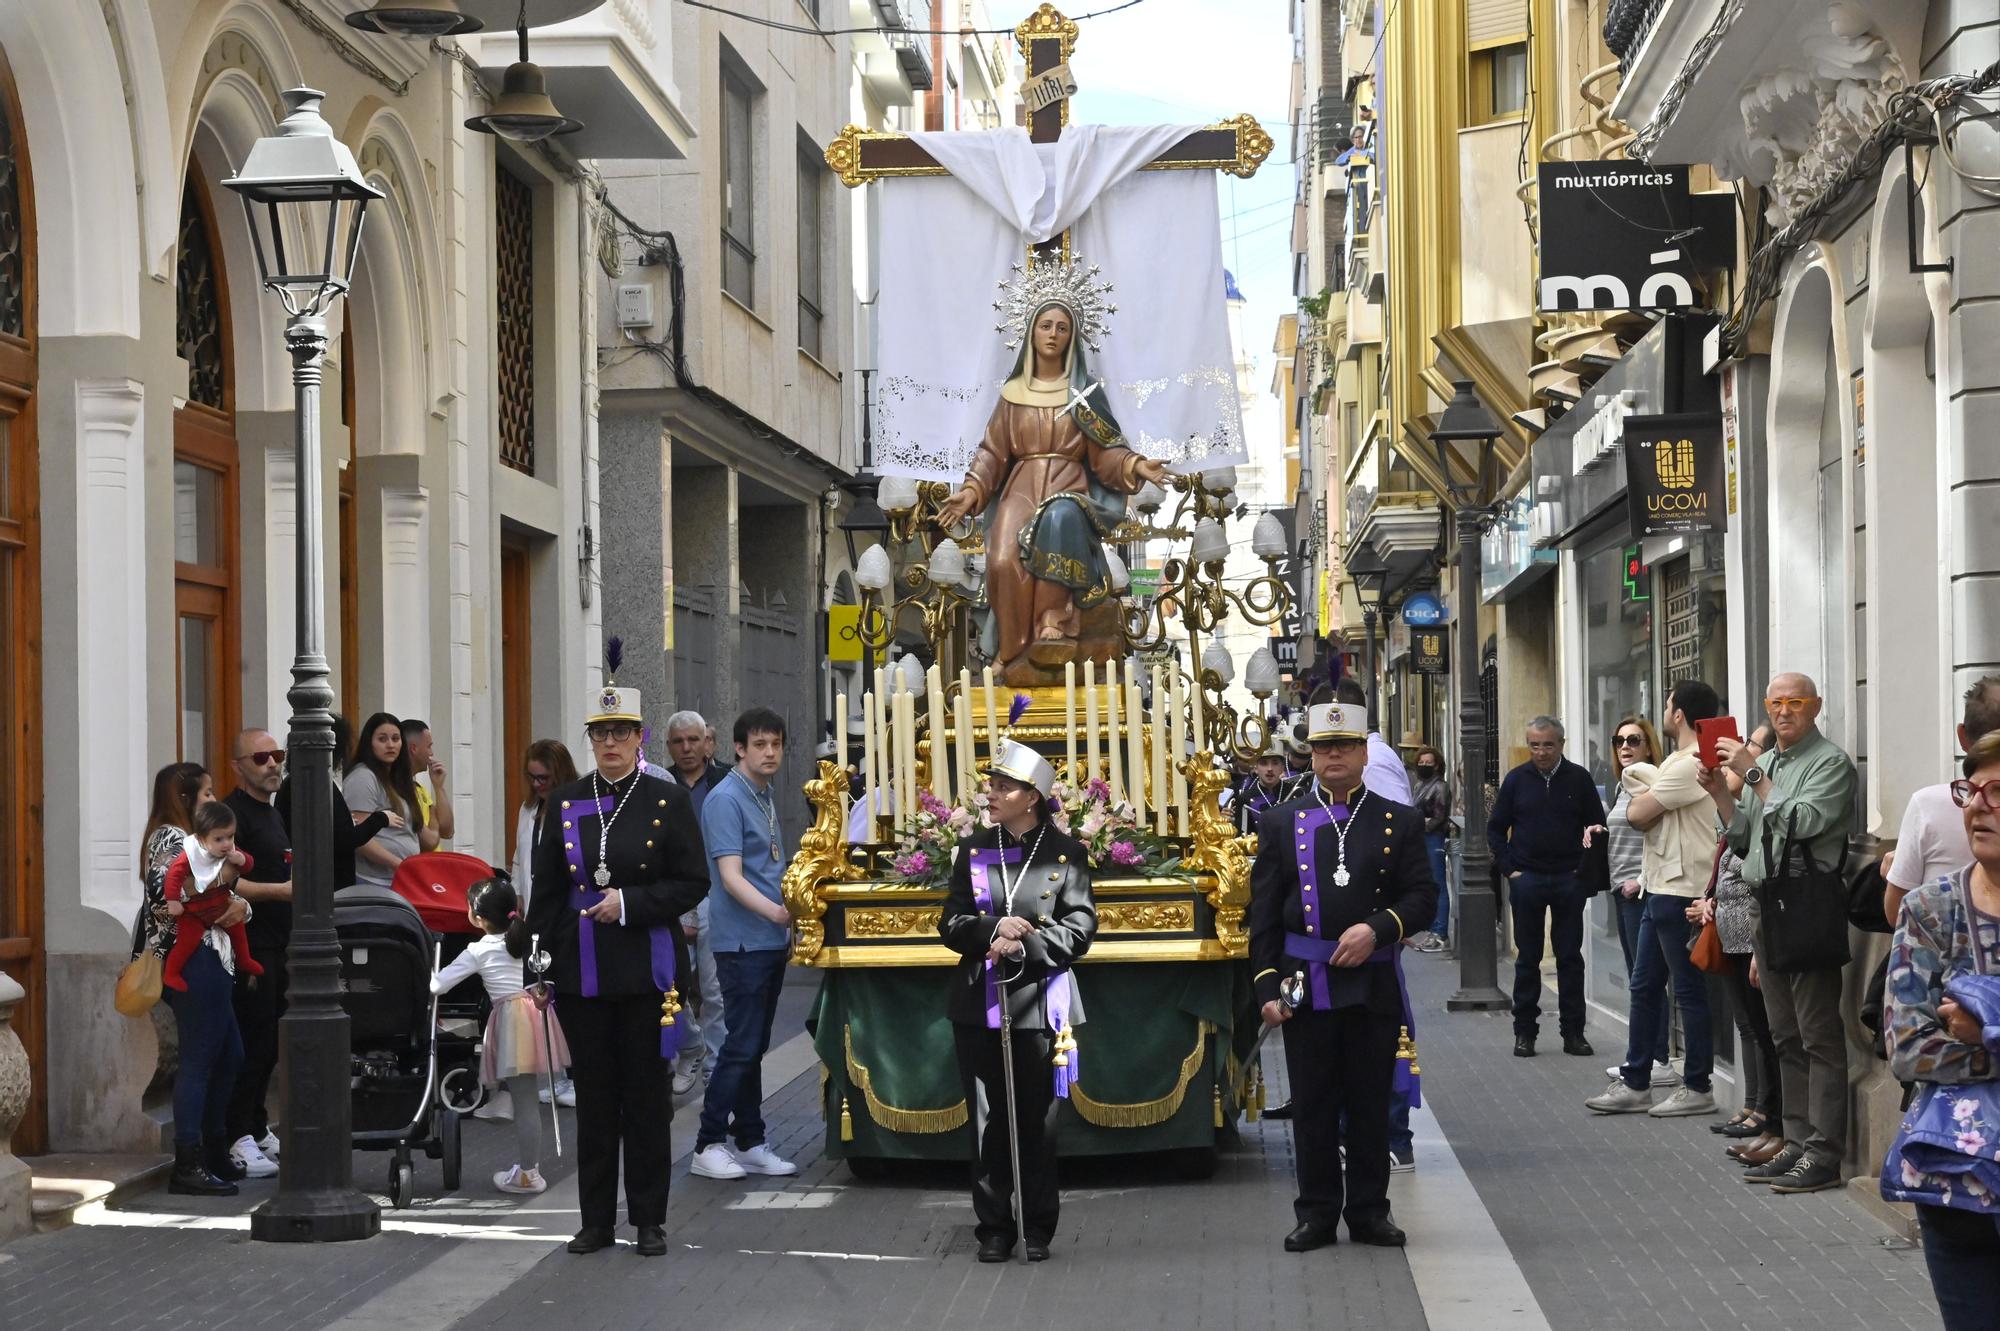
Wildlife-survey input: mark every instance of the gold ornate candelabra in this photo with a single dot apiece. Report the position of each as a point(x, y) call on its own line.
point(937, 596)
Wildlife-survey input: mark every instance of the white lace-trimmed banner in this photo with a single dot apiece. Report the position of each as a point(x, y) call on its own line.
point(948, 243)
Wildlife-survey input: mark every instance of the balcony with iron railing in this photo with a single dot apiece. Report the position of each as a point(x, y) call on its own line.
point(612, 69)
point(895, 52)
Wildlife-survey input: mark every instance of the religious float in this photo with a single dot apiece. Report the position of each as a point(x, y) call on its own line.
point(1018, 457)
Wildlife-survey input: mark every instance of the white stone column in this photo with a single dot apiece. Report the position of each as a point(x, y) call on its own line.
point(406, 601)
point(112, 651)
point(281, 560)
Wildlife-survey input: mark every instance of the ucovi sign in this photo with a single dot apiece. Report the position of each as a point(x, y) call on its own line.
point(1674, 475)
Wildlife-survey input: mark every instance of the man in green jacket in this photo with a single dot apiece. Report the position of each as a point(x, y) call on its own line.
point(1804, 787)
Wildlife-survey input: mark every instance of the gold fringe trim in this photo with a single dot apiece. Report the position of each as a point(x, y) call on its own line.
point(888, 1115)
point(1145, 1113)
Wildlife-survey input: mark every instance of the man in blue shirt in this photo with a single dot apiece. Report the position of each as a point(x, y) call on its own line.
point(750, 934)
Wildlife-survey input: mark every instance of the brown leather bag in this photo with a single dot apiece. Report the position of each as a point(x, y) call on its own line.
point(1705, 949)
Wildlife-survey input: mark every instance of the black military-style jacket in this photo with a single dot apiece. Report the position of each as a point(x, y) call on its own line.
point(1054, 896)
point(657, 864)
point(1390, 889)
point(1249, 803)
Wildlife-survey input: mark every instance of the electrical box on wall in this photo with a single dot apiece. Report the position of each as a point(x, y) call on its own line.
point(635, 305)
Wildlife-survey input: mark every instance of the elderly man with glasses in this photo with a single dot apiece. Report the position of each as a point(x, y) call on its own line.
point(1800, 794)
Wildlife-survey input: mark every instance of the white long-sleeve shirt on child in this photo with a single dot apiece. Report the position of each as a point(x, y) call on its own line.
point(499, 971)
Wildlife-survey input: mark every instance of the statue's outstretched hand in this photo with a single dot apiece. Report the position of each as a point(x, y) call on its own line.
point(1152, 469)
point(956, 508)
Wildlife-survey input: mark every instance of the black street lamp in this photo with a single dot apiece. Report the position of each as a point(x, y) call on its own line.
point(865, 526)
point(1464, 439)
point(1371, 575)
point(305, 181)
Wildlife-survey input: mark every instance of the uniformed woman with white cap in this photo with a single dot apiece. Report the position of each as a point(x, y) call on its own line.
point(1020, 914)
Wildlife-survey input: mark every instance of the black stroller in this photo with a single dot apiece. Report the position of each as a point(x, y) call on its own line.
point(414, 1058)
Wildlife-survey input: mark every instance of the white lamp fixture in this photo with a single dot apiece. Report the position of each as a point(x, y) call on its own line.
point(897, 495)
point(1150, 498)
point(1260, 676)
point(1210, 545)
point(1215, 661)
point(874, 573)
point(947, 565)
point(1120, 578)
point(415, 18)
point(911, 672)
point(1267, 538)
point(523, 112)
point(1219, 480)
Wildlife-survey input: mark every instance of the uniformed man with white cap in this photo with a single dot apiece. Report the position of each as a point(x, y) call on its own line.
point(612, 880)
point(1271, 784)
point(1020, 914)
point(1341, 876)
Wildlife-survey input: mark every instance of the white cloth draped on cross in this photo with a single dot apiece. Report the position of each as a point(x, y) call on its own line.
point(947, 242)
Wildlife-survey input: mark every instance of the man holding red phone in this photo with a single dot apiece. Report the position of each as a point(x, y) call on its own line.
point(1678, 820)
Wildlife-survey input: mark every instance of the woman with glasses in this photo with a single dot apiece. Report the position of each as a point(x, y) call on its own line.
point(620, 861)
point(381, 778)
point(1949, 930)
point(546, 767)
point(1633, 741)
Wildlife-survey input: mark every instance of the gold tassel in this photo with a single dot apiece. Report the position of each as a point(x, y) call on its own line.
point(1065, 1043)
point(1253, 1103)
point(1218, 1104)
point(670, 1006)
point(1406, 1049)
point(846, 1121)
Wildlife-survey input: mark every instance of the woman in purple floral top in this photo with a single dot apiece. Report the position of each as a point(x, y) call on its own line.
point(1949, 928)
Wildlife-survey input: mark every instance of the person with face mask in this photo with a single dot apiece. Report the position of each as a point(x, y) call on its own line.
point(1433, 800)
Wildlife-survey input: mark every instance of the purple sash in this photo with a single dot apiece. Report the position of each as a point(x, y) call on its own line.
point(1056, 995)
point(583, 897)
point(1312, 947)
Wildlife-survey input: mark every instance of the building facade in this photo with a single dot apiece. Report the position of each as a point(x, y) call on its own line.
point(147, 540)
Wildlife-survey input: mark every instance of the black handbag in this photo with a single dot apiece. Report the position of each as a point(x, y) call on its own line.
point(1865, 894)
point(1804, 909)
point(1593, 871)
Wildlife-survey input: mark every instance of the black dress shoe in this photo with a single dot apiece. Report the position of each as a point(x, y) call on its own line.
point(1036, 1252)
point(1279, 1112)
point(592, 1237)
point(652, 1241)
point(1524, 1046)
point(995, 1248)
point(1577, 1045)
point(1309, 1236)
point(1379, 1232)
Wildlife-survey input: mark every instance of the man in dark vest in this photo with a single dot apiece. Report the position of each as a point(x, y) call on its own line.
point(1341, 875)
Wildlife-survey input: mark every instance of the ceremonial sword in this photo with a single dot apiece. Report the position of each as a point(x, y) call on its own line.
point(539, 962)
point(1291, 992)
point(1013, 1115)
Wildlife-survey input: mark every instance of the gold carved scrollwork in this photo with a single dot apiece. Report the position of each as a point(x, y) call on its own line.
point(822, 858)
point(1146, 917)
point(1253, 144)
point(1046, 22)
point(1220, 852)
point(843, 158)
point(892, 921)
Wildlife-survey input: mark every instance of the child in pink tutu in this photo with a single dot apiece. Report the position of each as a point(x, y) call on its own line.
point(518, 1048)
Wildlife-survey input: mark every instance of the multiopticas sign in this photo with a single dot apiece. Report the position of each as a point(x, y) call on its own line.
point(1614, 236)
point(1674, 474)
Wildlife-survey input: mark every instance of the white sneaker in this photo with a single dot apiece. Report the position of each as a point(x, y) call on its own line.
point(268, 1144)
point(715, 1162)
point(1666, 1075)
point(761, 1159)
point(1402, 1164)
point(686, 1079)
point(498, 1108)
point(1684, 1103)
point(565, 1094)
point(1618, 1098)
point(246, 1156)
point(519, 1180)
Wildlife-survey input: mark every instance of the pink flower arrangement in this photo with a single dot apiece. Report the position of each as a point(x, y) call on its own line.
point(1125, 855)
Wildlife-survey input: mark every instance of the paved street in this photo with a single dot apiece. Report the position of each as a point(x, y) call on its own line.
point(1525, 1213)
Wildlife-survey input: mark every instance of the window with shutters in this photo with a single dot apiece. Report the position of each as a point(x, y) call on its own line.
point(514, 280)
point(812, 248)
point(739, 189)
point(1498, 86)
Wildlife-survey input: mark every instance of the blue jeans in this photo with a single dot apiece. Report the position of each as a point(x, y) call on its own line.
point(1551, 901)
point(1440, 870)
point(1662, 953)
point(734, 1104)
point(1962, 1250)
point(1630, 909)
point(211, 1047)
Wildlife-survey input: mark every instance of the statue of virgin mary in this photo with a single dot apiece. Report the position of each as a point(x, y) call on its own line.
point(1050, 475)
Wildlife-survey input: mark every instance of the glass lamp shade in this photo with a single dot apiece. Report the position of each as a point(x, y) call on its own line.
point(975, 574)
point(1219, 480)
point(873, 573)
point(1120, 578)
point(1150, 498)
point(897, 495)
point(910, 672)
point(523, 112)
point(1210, 544)
point(1267, 538)
point(305, 176)
point(1260, 676)
point(1215, 661)
point(415, 18)
point(947, 566)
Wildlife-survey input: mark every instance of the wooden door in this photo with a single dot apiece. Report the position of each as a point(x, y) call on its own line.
point(21, 943)
point(516, 677)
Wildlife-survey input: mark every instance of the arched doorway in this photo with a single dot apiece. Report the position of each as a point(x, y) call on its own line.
point(20, 610)
point(207, 652)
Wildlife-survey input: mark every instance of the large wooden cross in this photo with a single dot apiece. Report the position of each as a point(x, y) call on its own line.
point(1237, 145)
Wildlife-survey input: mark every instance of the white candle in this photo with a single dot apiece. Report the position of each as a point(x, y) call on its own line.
point(871, 774)
point(957, 749)
point(992, 718)
point(1069, 720)
point(1135, 741)
point(840, 751)
point(906, 727)
point(1195, 719)
point(940, 752)
point(1162, 796)
point(966, 719)
point(1176, 744)
point(1114, 744)
point(1089, 721)
point(881, 806)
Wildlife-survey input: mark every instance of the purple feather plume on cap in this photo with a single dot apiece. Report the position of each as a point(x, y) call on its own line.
point(1018, 706)
point(614, 654)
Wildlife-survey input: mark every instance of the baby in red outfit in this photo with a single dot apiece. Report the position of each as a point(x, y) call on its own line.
point(197, 890)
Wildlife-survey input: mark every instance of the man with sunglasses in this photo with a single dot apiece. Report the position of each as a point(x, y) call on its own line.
point(258, 764)
point(1803, 789)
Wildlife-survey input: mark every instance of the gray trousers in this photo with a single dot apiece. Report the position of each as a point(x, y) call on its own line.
point(703, 1044)
point(1811, 1040)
